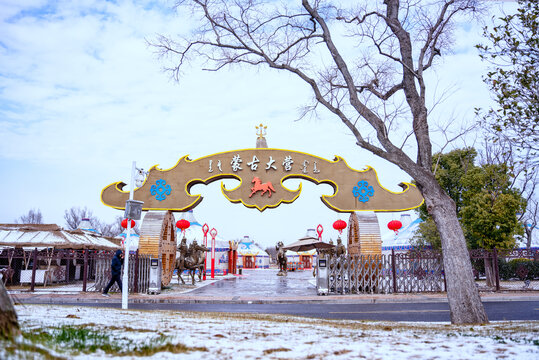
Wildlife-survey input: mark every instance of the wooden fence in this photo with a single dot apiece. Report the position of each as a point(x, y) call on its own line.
point(68, 270)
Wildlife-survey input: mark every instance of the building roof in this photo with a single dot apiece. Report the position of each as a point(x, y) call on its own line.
point(195, 232)
point(52, 236)
point(247, 247)
point(401, 238)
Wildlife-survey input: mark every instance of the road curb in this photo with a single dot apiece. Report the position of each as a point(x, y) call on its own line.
point(59, 300)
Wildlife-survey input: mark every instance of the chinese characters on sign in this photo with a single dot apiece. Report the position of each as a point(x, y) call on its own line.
point(236, 164)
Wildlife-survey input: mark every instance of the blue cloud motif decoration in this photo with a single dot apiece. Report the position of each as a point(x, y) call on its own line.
point(160, 190)
point(362, 191)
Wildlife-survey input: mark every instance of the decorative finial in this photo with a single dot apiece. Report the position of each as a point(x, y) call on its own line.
point(261, 131)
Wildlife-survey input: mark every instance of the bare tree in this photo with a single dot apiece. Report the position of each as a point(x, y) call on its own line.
point(74, 216)
point(115, 228)
point(524, 178)
point(272, 252)
point(108, 229)
point(34, 216)
point(364, 64)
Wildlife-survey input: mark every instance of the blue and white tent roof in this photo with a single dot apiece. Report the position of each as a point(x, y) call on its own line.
point(403, 237)
point(134, 240)
point(195, 232)
point(86, 225)
point(247, 247)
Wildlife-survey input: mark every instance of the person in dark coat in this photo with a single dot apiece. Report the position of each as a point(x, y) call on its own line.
point(116, 271)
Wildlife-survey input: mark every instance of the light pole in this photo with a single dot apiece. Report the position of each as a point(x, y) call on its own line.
point(205, 230)
point(133, 210)
point(213, 234)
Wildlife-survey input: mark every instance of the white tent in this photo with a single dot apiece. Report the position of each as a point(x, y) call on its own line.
point(195, 232)
point(134, 240)
point(401, 240)
point(251, 255)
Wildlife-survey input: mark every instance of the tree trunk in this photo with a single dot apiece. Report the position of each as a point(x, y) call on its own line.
point(9, 326)
point(464, 301)
point(528, 231)
point(489, 272)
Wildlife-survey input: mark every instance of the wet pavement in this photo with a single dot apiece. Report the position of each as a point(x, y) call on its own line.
point(262, 283)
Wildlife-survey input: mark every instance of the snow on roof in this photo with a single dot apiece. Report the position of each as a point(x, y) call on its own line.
point(51, 235)
point(247, 247)
point(190, 216)
point(403, 237)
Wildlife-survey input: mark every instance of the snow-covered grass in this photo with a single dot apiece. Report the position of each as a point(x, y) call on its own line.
point(54, 332)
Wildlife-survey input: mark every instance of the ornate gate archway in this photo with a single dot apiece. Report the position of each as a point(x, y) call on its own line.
point(261, 172)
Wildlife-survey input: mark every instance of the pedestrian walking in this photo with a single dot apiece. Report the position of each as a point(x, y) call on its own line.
point(116, 271)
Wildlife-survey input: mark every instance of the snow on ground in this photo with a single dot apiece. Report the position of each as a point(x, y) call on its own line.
point(251, 336)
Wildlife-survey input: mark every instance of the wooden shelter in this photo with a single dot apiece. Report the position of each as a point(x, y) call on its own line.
point(48, 238)
point(52, 236)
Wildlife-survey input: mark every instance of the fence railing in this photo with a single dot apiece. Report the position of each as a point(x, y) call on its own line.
point(68, 270)
point(422, 271)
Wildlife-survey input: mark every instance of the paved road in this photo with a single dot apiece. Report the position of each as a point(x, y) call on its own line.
point(272, 294)
point(506, 310)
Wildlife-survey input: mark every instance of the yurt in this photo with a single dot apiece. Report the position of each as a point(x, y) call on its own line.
point(134, 240)
point(251, 256)
point(195, 232)
point(400, 241)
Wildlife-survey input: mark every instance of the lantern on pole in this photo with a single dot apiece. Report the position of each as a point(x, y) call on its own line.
point(124, 223)
point(213, 234)
point(183, 224)
point(205, 230)
point(394, 225)
point(339, 225)
point(319, 231)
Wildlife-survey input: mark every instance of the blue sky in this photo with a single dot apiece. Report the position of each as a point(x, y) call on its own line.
point(81, 96)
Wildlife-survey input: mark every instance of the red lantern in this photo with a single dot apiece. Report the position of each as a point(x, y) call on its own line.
point(339, 225)
point(124, 223)
point(394, 225)
point(183, 224)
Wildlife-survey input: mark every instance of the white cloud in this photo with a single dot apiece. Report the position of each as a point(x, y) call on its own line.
point(81, 96)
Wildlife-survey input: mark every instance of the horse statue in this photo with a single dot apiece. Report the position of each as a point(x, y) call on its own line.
point(191, 258)
point(341, 249)
point(281, 259)
point(258, 186)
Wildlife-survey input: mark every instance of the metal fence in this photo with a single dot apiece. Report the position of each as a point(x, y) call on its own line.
point(506, 269)
point(415, 271)
point(422, 271)
point(68, 270)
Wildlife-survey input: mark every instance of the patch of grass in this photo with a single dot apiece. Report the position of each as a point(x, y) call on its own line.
point(74, 338)
point(25, 350)
point(271, 351)
point(149, 350)
point(342, 352)
point(84, 340)
point(499, 339)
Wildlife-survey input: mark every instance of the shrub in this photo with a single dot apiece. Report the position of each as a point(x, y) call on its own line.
point(523, 269)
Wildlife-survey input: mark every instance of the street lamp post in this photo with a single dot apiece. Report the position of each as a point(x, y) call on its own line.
point(213, 234)
point(133, 210)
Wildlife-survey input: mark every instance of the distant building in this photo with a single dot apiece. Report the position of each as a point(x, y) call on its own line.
point(400, 241)
point(251, 256)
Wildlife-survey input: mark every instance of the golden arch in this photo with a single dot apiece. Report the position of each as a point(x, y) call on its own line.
point(354, 190)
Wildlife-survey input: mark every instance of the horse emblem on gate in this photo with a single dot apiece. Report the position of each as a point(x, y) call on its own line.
point(259, 186)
